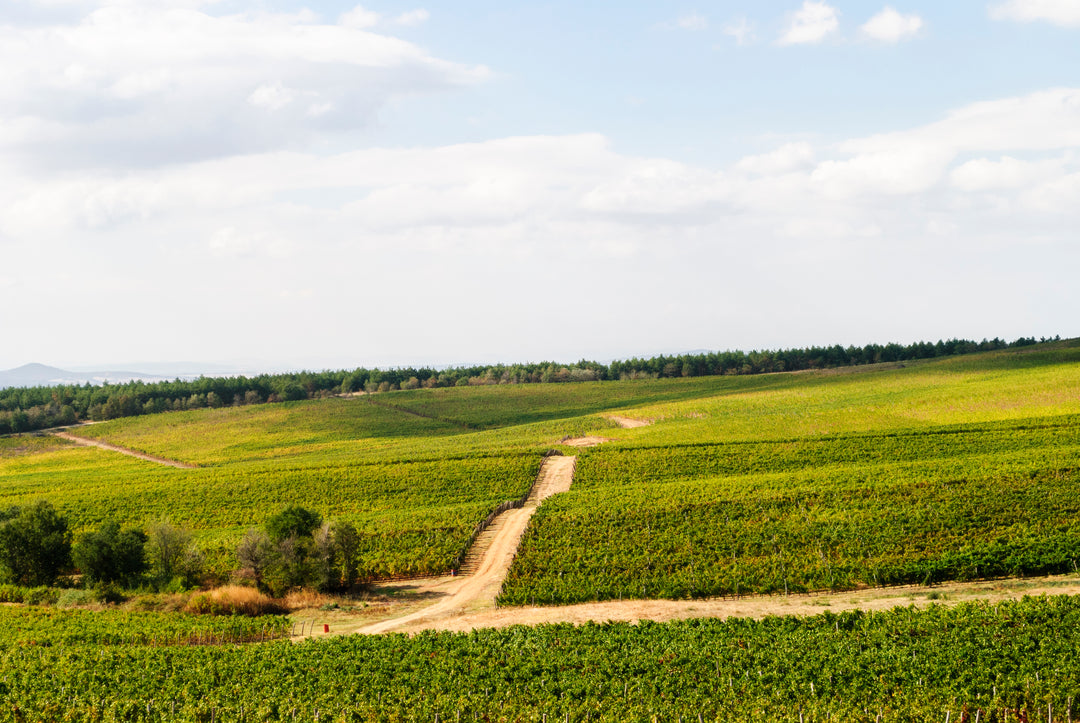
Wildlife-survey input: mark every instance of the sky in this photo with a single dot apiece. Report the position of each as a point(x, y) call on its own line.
point(272, 184)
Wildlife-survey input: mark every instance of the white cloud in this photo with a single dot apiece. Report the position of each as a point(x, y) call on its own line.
point(1059, 12)
point(315, 242)
point(889, 26)
point(413, 17)
point(785, 159)
point(271, 97)
point(145, 83)
point(359, 18)
point(1055, 197)
point(741, 29)
point(229, 242)
point(812, 23)
point(658, 188)
point(983, 174)
point(914, 161)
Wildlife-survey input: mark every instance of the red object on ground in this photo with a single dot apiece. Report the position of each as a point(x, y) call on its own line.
point(325, 628)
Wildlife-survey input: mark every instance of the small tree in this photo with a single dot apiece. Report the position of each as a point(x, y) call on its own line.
point(172, 555)
point(35, 544)
point(336, 546)
point(256, 553)
point(111, 555)
point(292, 565)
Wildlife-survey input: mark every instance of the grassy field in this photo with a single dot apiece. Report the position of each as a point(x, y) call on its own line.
point(953, 469)
point(816, 479)
point(414, 499)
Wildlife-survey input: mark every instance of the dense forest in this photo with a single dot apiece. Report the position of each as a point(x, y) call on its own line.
point(29, 408)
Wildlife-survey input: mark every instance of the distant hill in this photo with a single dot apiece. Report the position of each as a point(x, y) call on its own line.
point(40, 375)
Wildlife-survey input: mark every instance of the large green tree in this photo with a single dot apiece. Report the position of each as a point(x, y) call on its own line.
point(111, 555)
point(35, 544)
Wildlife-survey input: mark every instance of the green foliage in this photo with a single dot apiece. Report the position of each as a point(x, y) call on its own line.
point(822, 514)
point(75, 630)
point(74, 597)
point(901, 665)
point(293, 521)
point(40, 595)
point(172, 557)
point(35, 545)
point(255, 554)
point(298, 550)
point(111, 556)
point(337, 547)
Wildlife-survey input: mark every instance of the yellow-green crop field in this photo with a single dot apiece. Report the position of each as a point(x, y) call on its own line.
point(952, 468)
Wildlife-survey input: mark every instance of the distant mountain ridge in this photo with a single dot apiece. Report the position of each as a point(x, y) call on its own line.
point(41, 375)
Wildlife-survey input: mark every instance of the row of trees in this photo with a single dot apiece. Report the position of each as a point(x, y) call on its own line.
point(295, 548)
point(37, 548)
point(30, 408)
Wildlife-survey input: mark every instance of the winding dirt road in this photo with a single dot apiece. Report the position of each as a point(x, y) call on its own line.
point(467, 602)
point(86, 442)
point(466, 593)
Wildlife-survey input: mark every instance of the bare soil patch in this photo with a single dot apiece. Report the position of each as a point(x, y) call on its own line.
point(760, 607)
point(122, 450)
point(391, 604)
point(587, 441)
point(629, 422)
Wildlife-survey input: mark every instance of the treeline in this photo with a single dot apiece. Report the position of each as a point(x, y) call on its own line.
point(295, 549)
point(37, 549)
point(24, 409)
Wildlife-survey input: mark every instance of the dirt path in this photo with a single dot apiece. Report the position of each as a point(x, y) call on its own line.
point(467, 602)
point(758, 607)
point(629, 422)
point(480, 613)
point(589, 441)
point(465, 594)
point(84, 441)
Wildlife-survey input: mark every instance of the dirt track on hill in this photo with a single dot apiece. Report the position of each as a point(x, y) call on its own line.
point(468, 602)
point(84, 441)
point(629, 422)
point(462, 595)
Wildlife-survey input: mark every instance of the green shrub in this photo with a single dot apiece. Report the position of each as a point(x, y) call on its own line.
point(108, 592)
point(74, 598)
point(41, 596)
point(12, 594)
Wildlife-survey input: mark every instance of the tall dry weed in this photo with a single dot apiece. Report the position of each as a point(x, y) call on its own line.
point(304, 599)
point(234, 600)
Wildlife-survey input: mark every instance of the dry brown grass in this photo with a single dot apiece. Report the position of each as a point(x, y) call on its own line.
point(304, 599)
point(234, 600)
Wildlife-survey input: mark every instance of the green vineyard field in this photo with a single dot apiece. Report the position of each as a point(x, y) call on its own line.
point(827, 514)
point(1017, 659)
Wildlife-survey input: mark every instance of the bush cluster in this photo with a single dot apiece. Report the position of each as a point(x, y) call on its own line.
point(37, 547)
point(295, 549)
